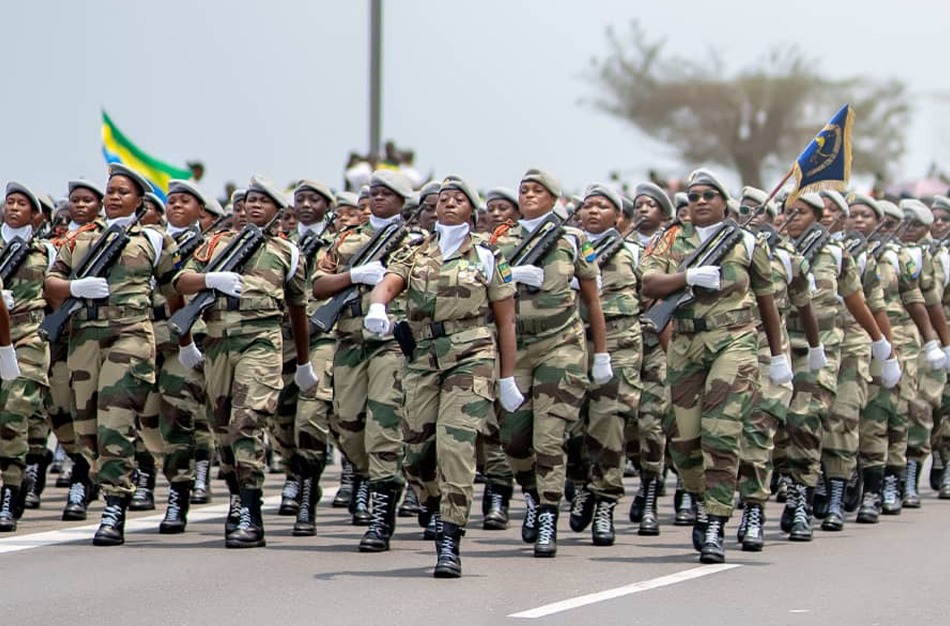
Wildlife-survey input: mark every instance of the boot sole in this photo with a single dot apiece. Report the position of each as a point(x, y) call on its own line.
point(602, 542)
point(230, 543)
point(142, 508)
point(200, 500)
point(867, 520)
point(683, 522)
point(75, 518)
point(752, 547)
point(340, 504)
point(446, 572)
point(287, 511)
point(407, 513)
point(106, 542)
point(301, 532)
point(360, 522)
point(373, 548)
point(545, 555)
point(649, 532)
point(799, 538)
point(912, 505)
point(489, 525)
point(711, 559)
point(832, 527)
point(171, 530)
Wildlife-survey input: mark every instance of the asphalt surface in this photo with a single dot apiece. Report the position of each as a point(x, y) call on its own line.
point(892, 573)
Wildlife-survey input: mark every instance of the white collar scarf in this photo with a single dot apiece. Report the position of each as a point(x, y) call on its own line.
point(315, 228)
point(530, 225)
point(705, 232)
point(8, 233)
point(174, 230)
point(599, 236)
point(379, 223)
point(451, 238)
point(121, 221)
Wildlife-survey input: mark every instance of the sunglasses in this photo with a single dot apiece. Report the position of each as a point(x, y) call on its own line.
point(706, 195)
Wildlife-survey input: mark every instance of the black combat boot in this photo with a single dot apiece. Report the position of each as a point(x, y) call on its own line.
point(870, 510)
point(9, 508)
point(788, 512)
point(661, 482)
point(35, 478)
point(911, 481)
point(944, 493)
point(496, 518)
point(545, 546)
point(700, 519)
point(852, 493)
point(821, 497)
point(410, 504)
point(936, 471)
point(713, 549)
point(781, 488)
point(448, 541)
point(753, 539)
point(529, 525)
point(359, 503)
point(834, 520)
point(144, 497)
point(290, 496)
point(310, 492)
point(649, 521)
point(383, 523)
point(636, 507)
point(891, 495)
point(582, 509)
point(80, 491)
point(112, 526)
point(176, 515)
point(602, 531)
point(250, 529)
point(345, 493)
point(801, 524)
point(201, 488)
point(427, 511)
point(234, 505)
point(683, 507)
point(486, 498)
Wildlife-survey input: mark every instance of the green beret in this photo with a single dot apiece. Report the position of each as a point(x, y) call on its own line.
point(190, 187)
point(680, 199)
point(941, 202)
point(266, 187)
point(320, 188)
point(238, 195)
point(544, 179)
point(891, 210)
point(838, 199)
point(433, 187)
point(502, 193)
point(395, 181)
point(82, 183)
point(154, 199)
point(347, 198)
point(460, 184)
point(120, 169)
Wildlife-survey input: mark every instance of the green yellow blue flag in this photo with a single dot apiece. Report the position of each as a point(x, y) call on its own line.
point(826, 161)
point(116, 148)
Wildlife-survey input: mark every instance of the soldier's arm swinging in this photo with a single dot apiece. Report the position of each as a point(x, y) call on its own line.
point(598, 328)
point(884, 324)
point(862, 314)
point(300, 329)
point(918, 313)
point(657, 285)
point(807, 316)
point(939, 322)
point(57, 289)
point(328, 286)
point(388, 288)
point(504, 312)
point(771, 323)
point(4, 325)
point(189, 283)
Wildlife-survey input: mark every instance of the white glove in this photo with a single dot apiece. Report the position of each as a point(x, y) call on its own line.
point(816, 357)
point(91, 287)
point(890, 373)
point(510, 396)
point(530, 275)
point(9, 368)
point(779, 370)
point(936, 359)
point(368, 274)
point(946, 353)
point(228, 283)
point(8, 300)
point(601, 371)
point(190, 356)
point(305, 376)
point(881, 349)
point(376, 320)
point(707, 276)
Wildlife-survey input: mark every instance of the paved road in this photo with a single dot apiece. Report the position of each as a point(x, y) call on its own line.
point(893, 573)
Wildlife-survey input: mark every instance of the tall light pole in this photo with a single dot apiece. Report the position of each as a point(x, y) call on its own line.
point(375, 74)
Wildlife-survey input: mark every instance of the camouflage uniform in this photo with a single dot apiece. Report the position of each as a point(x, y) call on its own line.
point(551, 369)
point(243, 348)
point(22, 400)
point(112, 350)
point(449, 381)
point(940, 437)
point(712, 368)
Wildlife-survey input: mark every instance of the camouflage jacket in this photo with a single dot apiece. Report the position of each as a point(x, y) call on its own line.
point(834, 276)
point(620, 290)
point(27, 287)
point(855, 337)
point(930, 284)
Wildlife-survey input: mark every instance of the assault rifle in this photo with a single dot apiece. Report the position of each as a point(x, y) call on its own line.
point(192, 238)
point(710, 252)
point(609, 246)
point(96, 264)
point(312, 241)
point(12, 256)
point(810, 242)
point(876, 247)
point(532, 250)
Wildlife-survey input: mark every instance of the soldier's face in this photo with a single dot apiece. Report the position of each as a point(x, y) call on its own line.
point(427, 215)
point(384, 202)
point(648, 211)
point(941, 226)
point(501, 211)
point(760, 218)
point(83, 205)
point(830, 218)
point(288, 220)
point(706, 205)
point(260, 208)
point(239, 219)
point(182, 210)
point(348, 216)
point(309, 206)
point(803, 217)
point(863, 218)
point(122, 197)
point(682, 214)
point(598, 215)
point(454, 208)
point(534, 199)
point(152, 215)
point(17, 210)
point(914, 232)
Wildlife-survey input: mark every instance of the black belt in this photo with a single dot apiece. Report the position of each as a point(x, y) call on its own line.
point(159, 313)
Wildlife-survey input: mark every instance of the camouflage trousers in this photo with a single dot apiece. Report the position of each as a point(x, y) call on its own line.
point(597, 460)
point(940, 436)
point(809, 414)
point(367, 408)
point(242, 374)
point(551, 373)
point(112, 370)
point(448, 398)
point(302, 425)
point(21, 404)
point(883, 437)
point(646, 435)
point(758, 430)
point(58, 400)
point(713, 377)
point(839, 440)
point(925, 404)
point(490, 454)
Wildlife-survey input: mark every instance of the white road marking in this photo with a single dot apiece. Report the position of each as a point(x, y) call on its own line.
point(626, 590)
point(17, 543)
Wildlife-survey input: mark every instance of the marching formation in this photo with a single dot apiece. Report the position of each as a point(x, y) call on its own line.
point(754, 347)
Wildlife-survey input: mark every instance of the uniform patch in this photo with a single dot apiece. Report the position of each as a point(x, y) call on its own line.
point(912, 268)
point(587, 251)
point(504, 271)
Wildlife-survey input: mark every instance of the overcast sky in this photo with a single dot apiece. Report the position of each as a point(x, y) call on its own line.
point(483, 89)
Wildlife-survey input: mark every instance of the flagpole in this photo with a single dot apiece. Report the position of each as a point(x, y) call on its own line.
point(779, 186)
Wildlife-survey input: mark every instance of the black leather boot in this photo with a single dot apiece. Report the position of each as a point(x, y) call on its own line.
point(36, 467)
point(636, 507)
point(359, 503)
point(545, 546)
point(911, 480)
point(112, 526)
point(250, 529)
point(234, 505)
point(821, 497)
point(701, 518)
point(936, 471)
point(496, 518)
point(290, 496)
point(852, 492)
point(201, 487)
point(801, 529)
point(870, 510)
point(582, 509)
point(448, 563)
point(649, 522)
point(753, 539)
point(383, 523)
point(529, 525)
point(834, 520)
point(944, 493)
point(781, 488)
point(80, 491)
point(714, 549)
point(891, 494)
point(410, 504)
point(310, 493)
point(788, 512)
point(9, 508)
point(602, 531)
point(345, 493)
point(683, 507)
point(176, 515)
point(144, 497)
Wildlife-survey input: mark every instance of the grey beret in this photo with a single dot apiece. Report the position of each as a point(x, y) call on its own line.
point(15, 187)
point(266, 187)
point(917, 210)
point(395, 181)
point(347, 198)
point(152, 197)
point(364, 192)
point(502, 193)
point(628, 207)
point(838, 199)
point(120, 169)
point(320, 188)
point(814, 201)
point(460, 184)
point(860, 198)
point(186, 186)
point(759, 197)
point(654, 191)
point(47, 202)
point(238, 195)
point(680, 200)
point(544, 179)
point(433, 187)
point(890, 209)
point(82, 183)
point(705, 177)
point(941, 202)
point(601, 189)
